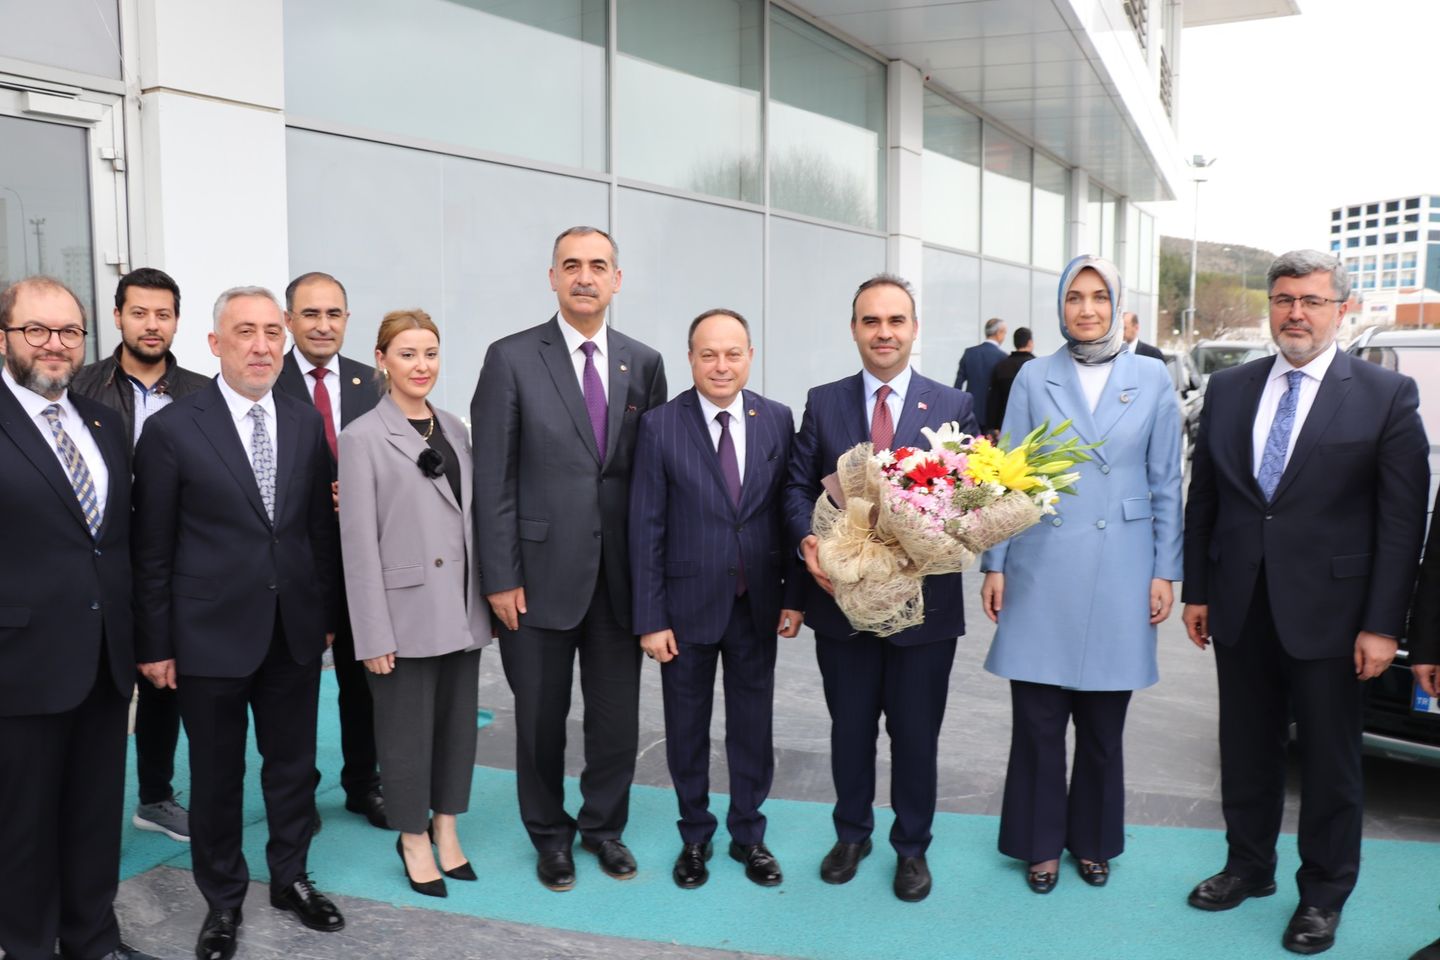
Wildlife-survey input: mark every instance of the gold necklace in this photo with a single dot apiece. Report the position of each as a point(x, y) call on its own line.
point(430, 429)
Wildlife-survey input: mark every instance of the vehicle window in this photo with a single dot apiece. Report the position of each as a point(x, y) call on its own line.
point(1422, 364)
point(1210, 359)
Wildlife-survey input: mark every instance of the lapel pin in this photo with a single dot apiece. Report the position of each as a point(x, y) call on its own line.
point(623, 368)
point(355, 380)
point(630, 407)
point(923, 405)
point(1124, 398)
point(96, 422)
point(752, 411)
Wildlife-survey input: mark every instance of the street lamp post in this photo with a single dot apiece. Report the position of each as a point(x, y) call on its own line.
point(1198, 163)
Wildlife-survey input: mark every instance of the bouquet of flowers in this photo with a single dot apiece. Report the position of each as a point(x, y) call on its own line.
point(893, 517)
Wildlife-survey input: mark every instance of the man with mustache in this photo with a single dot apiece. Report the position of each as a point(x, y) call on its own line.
point(235, 558)
point(555, 415)
point(67, 664)
point(341, 389)
point(137, 380)
point(1302, 537)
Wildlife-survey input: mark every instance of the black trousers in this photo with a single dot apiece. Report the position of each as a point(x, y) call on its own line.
point(1039, 818)
point(359, 774)
point(865, 676)
point(1261, 687)
point(539, 666)
point(62, 787)
point(283, 696)
point(688, 685)
point(157, 731)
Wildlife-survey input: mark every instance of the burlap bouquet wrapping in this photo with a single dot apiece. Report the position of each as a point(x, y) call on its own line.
point(1012, 514)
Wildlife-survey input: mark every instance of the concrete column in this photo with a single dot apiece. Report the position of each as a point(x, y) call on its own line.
point(905, 139)
point(212, 154)
point(1077, 216)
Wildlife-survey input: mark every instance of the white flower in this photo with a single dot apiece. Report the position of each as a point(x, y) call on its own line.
point(948, 436)
point(883, 457)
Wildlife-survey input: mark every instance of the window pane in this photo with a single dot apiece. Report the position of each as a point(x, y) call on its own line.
point(1130, 269)
point(687, 95)
point(1052, 187)
point(827, 125)
point(77, 35)
point(949, 311)
point(950, 170)
point(1006, 184)
point(526, 79)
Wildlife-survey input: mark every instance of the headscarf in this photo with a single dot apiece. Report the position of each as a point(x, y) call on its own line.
point(1109, 345)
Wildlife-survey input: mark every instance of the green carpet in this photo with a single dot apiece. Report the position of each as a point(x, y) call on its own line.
point(980, 909)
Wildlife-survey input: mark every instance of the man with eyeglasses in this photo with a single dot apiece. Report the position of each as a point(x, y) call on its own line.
point(1302, 536)
point(316, 311)
point(138, 379)
point(67, 659)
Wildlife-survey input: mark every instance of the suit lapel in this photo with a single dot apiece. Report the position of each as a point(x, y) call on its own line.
point(1121, 391)
point(291, 380)
point(355, 382)
point(621, 370)
point(403, 437)
point(25, 434)
point(915, 412)
point(759, 437)
point(852, 410)
point(115, 458)
point(212, 414)
point(562, 371)
point(287, 440)
point(699, 432)
point(1063, 385)
point(1244, 451)
point(1328, 400)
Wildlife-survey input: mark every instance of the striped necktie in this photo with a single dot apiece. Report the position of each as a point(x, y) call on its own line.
point(80, 479)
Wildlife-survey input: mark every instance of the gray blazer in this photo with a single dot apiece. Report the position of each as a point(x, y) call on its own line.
point(405, 541)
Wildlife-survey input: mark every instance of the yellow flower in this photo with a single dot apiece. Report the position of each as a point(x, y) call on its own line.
point(1015, 472)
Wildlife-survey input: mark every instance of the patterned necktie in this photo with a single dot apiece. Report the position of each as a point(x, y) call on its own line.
point(882, 428)
point(730, 470)
point(595, 399)
point(80, 479)
point(263, 460)
point(322, 403)
point(1277, 444)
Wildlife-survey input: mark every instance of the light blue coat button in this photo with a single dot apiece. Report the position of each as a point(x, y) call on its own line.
point(1100, 524)
point(1057, 521)
point(1104, 468)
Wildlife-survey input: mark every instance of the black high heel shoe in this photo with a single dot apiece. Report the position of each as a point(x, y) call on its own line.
point(462, 872)
point(430, 888)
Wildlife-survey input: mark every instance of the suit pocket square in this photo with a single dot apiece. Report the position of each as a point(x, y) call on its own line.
point(536, 531)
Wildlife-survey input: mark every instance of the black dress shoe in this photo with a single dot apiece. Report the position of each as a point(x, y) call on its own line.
point(760, 864)
point(371, 805)
point(462, 872)
point(1041, 881)
point(310, 906)
point(429, 888)
point(615, 858)
point(1429, 952)
point(556, 869)
point(912, 879)
point(1225, 891)
point(218, 935)
point(843, 860)
point(1096, 873)
point(1311, 930)
point(690, 871)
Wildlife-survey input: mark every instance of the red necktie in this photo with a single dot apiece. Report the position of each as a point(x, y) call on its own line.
point(322, 403)
point(882, 428)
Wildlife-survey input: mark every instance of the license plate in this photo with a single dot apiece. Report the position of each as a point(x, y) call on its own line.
point(1424, 703)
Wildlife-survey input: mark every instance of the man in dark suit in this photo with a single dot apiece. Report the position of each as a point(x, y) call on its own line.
point(341, 389)
point(1133, 343)
point(554, 416)
point(707, 561)
point(1002, 378)
point(234, 549)
point(137, 380)
point(1423, 644)
point(1302, 533)
point(976, 364)
point(907, 676)
point(67, 664)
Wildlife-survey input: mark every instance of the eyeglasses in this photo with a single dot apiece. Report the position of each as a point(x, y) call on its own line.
point(1283, 302)
point(37, 334)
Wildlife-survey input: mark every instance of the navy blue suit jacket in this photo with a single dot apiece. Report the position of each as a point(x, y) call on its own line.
point(1340, 542)
point(211, 571)
point(686, 532)
point(834, 422)
point(973, 376)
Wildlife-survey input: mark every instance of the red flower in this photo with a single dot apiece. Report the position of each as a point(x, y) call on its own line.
point(926, 472)
point(902, 453)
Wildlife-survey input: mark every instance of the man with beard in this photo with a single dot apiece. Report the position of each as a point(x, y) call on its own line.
point(67, 663)
point(1302, 537)
point(138, 379)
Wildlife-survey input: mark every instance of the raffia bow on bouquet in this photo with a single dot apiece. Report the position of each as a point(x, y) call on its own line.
point(888, 519)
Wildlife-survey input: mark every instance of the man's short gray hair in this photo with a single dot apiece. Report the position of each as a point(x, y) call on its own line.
point(234, 293)
point(583, 231)
point(993, 326)
point(1302, 263)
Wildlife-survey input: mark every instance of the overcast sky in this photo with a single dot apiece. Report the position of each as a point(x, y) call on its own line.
point(1338, 105)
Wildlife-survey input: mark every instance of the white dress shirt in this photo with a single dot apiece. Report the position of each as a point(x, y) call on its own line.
point(332, 382)
point(1092, 377)
point(75, 426)
point(573, 339)
point(709, 410)
point(244, 426)
point(147, 404)
point(899, 386)
point(1275, 387)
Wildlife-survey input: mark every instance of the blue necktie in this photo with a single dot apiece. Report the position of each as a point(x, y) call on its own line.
point(1277, 444)
point(80, 477)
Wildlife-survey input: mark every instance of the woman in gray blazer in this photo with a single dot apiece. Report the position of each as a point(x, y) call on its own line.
point(415, 607)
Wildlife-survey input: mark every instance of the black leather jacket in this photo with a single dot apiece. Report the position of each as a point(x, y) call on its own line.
point(103, 380)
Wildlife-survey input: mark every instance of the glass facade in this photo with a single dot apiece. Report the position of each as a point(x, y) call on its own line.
point(79, 35)
point(1005, 214)
point(950, 172)
point(1047, 222)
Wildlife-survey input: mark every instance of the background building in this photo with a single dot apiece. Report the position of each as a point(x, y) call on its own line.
point(756, 154)
point(1392, 250)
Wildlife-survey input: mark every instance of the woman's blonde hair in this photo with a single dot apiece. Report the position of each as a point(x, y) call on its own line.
point(397, 322)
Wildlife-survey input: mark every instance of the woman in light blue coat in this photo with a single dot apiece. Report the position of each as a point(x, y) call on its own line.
point(1078, 596)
